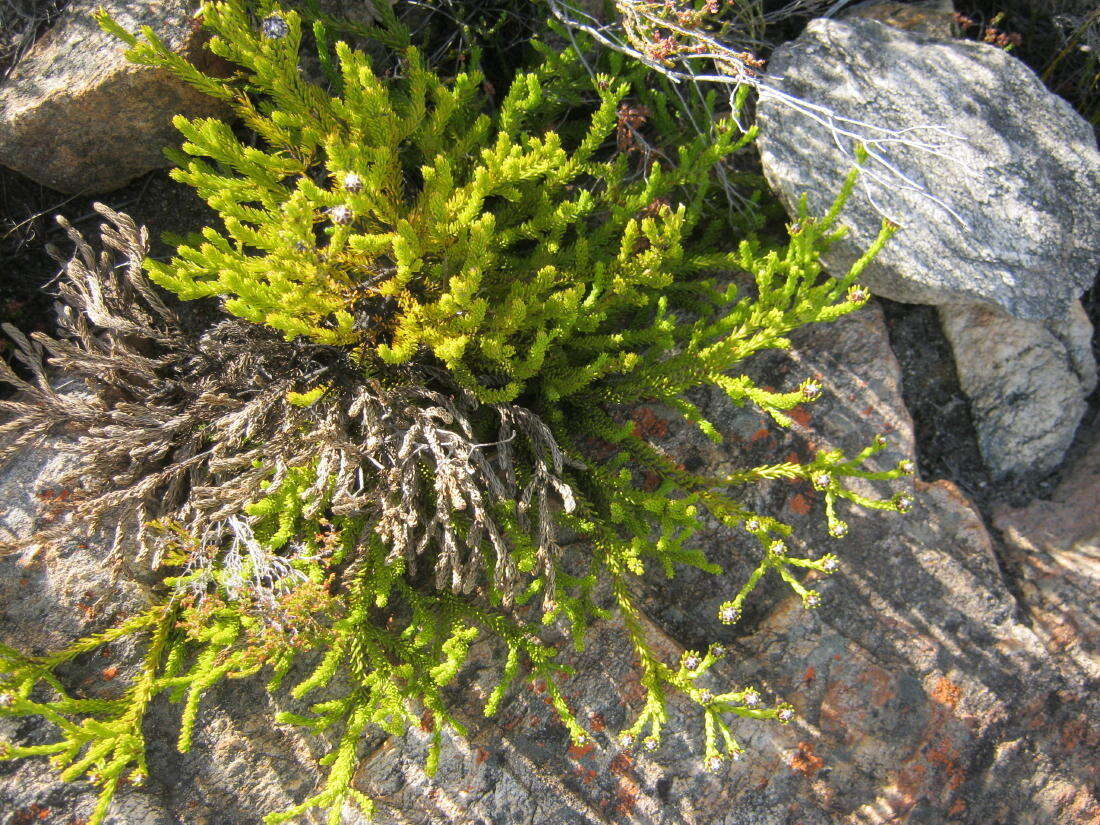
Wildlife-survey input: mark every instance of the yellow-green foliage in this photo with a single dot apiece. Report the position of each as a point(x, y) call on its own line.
point(512, 250)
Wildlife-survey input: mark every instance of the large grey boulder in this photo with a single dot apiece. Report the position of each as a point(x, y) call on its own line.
point(76, 116)
point(1023, 176)
point(1027, 382)
point(923, 694)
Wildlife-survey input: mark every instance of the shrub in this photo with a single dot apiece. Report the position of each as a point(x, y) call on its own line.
point(440, 306)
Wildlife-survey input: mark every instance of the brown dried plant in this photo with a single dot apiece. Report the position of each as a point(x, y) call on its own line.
point(186, 427)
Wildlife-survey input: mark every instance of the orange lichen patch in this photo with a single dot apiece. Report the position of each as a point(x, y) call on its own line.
point(110, 673)
point(946, 692)
point(805, 761)
point(798, 504)
point(1077, 734)
point(809, 676)
point(760, 434)
point(621, 764)
point(481, 756)
point(957, 809)
point(595, 720)
point(580, 751)
point(945, 756)
point(800, 414)
point(880, 685)
point(26, 816)
point(586, 775)
point(648, 425)
point(626, 797)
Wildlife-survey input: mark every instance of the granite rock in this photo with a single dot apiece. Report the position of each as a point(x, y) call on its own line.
point(1019, 167)
point(1027, 382)
point(76, 116)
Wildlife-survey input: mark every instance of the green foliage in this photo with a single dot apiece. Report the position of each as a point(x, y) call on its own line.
point(526, 271)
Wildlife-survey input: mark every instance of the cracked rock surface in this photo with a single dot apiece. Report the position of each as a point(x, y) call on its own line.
point(924, 692)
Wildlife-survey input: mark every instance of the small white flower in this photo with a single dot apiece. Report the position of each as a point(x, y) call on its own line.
point(785, 714)
point(830, 564)
point(650, 743)
point(340, 214)
point(858, 295)
point(811, 390)
point(274, 27)
point(838, 529)
point(906, 466)
point(753, 525)
point(6, 700)
point(777, 547)
point(752, 698)
point(718, 650)
point(737, 756)
point(820, 480)
point(626, 740)
point(713, 763)
point(353, 183)
point(729, 613)
point(812, 599)
point(690, 660)
point(904, 502)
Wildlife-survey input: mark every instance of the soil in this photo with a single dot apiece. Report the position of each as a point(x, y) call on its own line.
point(27, 227)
